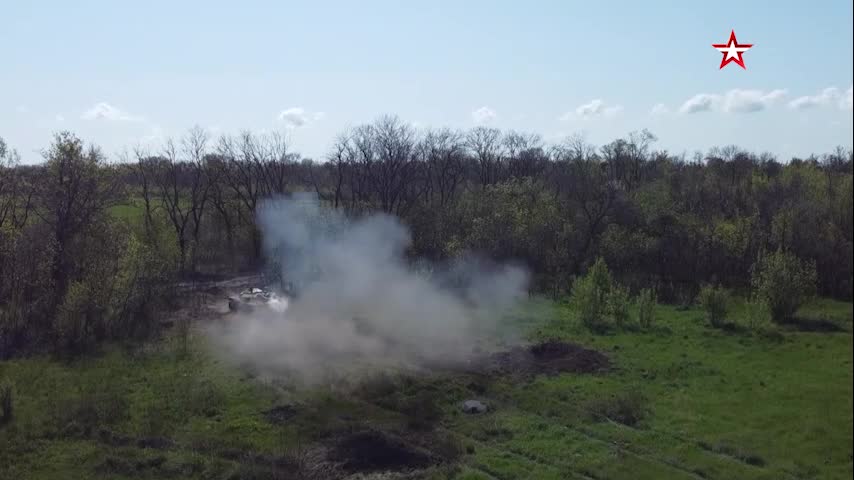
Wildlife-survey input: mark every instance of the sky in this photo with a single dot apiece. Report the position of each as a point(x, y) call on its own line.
point(124, 74)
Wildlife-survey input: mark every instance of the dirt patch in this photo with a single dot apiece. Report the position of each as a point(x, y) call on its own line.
point(280, 414)
point(374, 451)
point(549, 357)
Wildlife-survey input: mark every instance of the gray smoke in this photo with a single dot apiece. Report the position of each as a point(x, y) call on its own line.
point(359, 302)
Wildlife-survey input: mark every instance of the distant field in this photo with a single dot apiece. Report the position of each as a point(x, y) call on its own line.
point(712, 404)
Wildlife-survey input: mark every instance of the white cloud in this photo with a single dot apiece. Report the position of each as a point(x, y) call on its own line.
point(105, 111)
point(483, 115)
point(848, 101)
point(595, 108)
point(747, 101)
point(733, 101)
point(659, 109)
point(702, 102)
point(59, 118)
point(828, 97)
point(22, 109)
point(296, 117)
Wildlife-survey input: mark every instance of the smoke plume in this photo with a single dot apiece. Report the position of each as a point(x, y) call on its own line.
point(359, 301)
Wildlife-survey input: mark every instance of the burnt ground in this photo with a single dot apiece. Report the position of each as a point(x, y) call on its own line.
point(550, 357)
point(374, 451)
point(280, 414)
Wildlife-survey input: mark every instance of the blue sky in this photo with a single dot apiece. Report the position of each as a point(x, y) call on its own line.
point(121, 73)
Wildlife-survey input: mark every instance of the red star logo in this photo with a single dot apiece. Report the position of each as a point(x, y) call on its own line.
point(732, 51)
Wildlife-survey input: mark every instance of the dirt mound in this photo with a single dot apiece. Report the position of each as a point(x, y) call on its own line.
point(373, 451)
point(550, 357)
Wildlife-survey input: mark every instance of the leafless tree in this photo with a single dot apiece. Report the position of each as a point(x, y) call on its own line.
point(486, 148)
point(442, 152)
point(16, 193)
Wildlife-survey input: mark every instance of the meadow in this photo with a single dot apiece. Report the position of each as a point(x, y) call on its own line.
point(680, 400)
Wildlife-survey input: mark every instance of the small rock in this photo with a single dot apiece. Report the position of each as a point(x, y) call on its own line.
point(474, 406)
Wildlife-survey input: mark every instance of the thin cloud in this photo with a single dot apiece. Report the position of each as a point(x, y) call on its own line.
point(659, 109)
point(483, 115)
point(105, 111)
point(829, 97)
point(296, 117)
point(702, 102)
point(594, 108)
point(747, 101)
point(733, 101)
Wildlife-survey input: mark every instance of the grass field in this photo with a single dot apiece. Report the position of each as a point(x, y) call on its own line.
point(708, 404)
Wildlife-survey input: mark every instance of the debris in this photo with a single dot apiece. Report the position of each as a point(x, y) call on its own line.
point(250, 298)
point(474, 406)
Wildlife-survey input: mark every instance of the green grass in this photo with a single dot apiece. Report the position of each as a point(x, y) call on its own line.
point(719, 405)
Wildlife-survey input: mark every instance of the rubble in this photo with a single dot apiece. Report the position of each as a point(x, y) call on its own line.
point(254, 297)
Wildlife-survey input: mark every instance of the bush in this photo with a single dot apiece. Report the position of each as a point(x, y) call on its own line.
point(758, 315)
point(784, 282)
point(715, 301)
point(645, 303)
point(590, 296)
point(7, 401)
point(628, 407)
point(618, 305)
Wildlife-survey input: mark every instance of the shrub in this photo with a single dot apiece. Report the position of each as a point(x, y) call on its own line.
point(628, 407)
point(7, 401)
point(618, 305)
point(590, 296)
point(715, 301)
point(784, 282)
point(758, 315)
point(645, 303)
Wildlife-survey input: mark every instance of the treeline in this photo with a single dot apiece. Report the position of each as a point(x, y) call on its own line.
point(88, 248)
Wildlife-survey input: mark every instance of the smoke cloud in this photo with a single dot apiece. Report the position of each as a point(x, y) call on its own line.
point(359, 301)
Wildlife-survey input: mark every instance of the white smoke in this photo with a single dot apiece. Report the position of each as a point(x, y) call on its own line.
point(359, 300)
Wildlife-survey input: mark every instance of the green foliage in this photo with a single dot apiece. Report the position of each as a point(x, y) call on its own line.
point(617, 305)
point(715, 302)
point(590, 296)
point(784, 282)
point(599, 300)
point(645, 303)
point(117, 293)
point(758, 314)
point(517, 219)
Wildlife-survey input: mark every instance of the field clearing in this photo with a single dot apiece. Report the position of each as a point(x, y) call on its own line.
point(715, 404)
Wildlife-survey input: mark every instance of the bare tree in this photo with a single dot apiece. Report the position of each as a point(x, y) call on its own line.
point(195, 148)
point(16, 193)
point(442, 152)
point(184, 188)
point(486, 148)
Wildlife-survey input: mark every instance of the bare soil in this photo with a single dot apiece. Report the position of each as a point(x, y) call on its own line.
point(549, 357)
point(373, 451)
